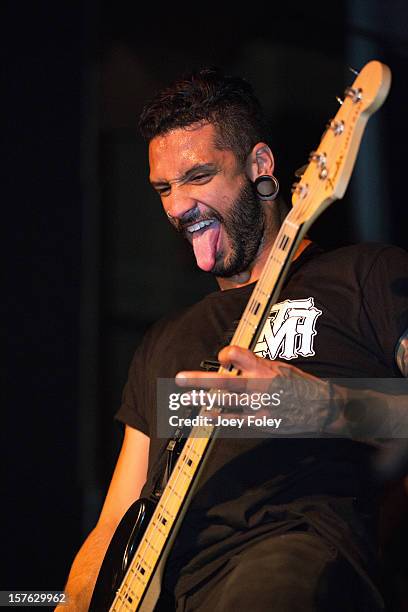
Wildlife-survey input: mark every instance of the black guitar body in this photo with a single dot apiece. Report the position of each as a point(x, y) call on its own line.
point(120, 552)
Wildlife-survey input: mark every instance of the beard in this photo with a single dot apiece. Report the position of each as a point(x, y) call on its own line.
point(244, 226)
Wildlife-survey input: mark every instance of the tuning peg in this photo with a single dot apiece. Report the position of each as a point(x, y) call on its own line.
point(355, 94)
point(353, 70)
point(336, 126)
point(300, 171)
point(300, 190)
point(319, 158)
point(339, 100)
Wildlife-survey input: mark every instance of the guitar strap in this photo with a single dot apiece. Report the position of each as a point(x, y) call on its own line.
point(174, 447)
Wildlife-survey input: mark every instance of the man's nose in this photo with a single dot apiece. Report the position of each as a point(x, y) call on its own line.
point(177, 205)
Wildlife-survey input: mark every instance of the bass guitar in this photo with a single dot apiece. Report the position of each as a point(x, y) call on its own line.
point(131, 572)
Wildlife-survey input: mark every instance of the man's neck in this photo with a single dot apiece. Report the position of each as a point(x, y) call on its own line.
point(274, 217)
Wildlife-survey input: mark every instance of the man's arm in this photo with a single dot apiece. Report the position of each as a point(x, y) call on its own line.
point(309, 405)
point(127, 481)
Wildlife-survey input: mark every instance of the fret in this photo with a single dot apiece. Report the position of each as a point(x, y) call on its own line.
point(173, 490)
point(248, 322)
point(139, 560)
point(171, 512)
point(262, 292)
point(202, 432)
point(127, 591)
point(132, 569)
point(182, 467)
point(277, 259)
point(193, 451)
point(159, 529)
point(150, 545)
point(165, 510)
point(151, 534)
point(181, 470)
point(295, 226)
point(124, 601)
point(121, 603)
point(274, 267)
point(180, 481)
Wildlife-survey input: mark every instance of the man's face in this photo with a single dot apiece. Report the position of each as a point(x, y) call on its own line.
point(209, 198)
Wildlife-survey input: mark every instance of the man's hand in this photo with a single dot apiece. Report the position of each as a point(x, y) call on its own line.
point(249, 365)
point(306, 404)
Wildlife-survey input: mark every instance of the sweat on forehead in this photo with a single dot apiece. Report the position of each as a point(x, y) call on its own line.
point(180, 151)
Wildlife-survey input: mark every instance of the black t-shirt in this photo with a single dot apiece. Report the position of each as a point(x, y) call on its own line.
point(340, 314)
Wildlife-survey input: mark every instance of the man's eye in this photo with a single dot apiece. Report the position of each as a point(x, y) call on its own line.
point(201, 177)
point(164, 191)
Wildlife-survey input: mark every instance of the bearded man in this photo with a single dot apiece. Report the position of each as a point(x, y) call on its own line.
point(282, 524)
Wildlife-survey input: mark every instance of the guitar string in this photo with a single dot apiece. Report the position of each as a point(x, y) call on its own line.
point(297, 213)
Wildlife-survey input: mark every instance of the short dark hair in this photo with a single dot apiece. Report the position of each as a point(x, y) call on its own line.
point(208, 96)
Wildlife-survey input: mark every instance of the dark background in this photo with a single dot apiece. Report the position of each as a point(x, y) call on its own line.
point(91, 258)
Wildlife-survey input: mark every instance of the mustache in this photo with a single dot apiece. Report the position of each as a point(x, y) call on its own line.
point(194, 216)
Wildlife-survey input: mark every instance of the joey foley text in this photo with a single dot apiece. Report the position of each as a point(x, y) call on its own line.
point(226, 401)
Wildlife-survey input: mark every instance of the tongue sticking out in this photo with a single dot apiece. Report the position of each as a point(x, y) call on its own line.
point(205, 246)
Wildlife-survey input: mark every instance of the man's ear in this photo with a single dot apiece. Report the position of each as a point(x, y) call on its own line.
point(260, 161)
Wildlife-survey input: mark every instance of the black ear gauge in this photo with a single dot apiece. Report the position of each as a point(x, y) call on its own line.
point(266, 187)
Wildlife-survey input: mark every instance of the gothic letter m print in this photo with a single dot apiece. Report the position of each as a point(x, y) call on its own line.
point(289, 330)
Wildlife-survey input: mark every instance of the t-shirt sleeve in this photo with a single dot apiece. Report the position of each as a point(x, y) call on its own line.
point(385, 298)
point(138, 397)
point(132, 410)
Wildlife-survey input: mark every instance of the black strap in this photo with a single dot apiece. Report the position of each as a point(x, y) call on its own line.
point(173, 449)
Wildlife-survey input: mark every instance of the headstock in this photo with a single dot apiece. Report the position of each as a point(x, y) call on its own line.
point(330, 166)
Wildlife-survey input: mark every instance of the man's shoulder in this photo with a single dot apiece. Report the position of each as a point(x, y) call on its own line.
point(182, 315)
point(361, 249)
point(359, 256)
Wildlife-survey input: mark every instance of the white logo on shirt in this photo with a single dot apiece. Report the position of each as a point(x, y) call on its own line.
point(289, 330)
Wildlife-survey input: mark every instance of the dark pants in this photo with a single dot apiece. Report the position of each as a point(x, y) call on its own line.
point(292, 572)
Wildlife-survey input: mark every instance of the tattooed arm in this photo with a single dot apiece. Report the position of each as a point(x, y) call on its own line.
point(309, 405)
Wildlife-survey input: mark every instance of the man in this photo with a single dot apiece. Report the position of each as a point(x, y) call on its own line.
point(275, 524)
